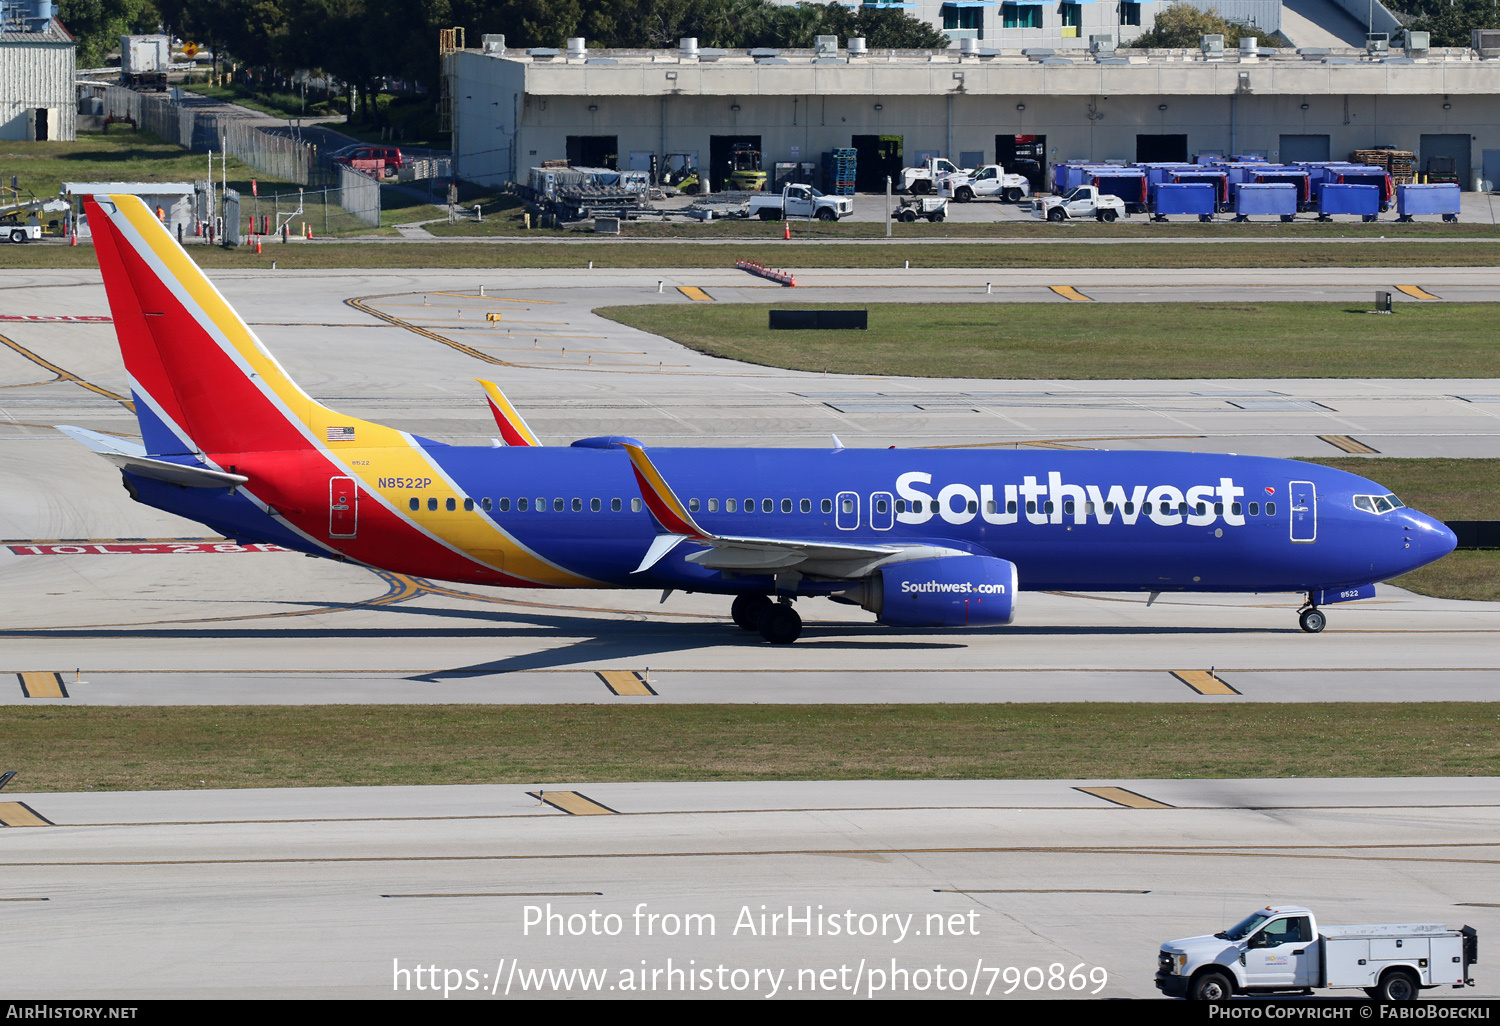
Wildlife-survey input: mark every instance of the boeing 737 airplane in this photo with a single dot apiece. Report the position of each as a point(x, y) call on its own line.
point(921, 538)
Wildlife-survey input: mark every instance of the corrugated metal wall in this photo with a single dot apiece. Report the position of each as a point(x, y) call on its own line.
point(37, 75)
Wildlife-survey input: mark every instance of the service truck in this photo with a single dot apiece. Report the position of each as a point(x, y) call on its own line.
point(1082, 201)
point(990, 180)
point(1282, 948)
point(144, 61)
point(799, 201)
point(925, 177)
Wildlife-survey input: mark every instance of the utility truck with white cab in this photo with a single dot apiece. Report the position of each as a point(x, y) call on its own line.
point(924, 178)
point(990, 180)
point(799, 201)
point(1084, 201)
point(1282, 948)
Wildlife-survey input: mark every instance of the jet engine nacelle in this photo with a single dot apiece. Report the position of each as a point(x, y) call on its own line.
point(945, 591)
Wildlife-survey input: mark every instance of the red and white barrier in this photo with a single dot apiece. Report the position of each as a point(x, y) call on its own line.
point(780, 277)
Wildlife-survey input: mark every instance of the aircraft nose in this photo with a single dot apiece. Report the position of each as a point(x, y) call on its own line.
point(1428, 539)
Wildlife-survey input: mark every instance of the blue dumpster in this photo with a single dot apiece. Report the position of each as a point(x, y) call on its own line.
point(1427, 199)
point(1335, 198)
point(1192, 198)
point(1291, 176)
point(1218, 179)
point(1126, 183)
point(1251, 199)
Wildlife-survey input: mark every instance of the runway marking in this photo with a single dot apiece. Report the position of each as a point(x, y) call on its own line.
point(111, 548)
point(1347, 444)
point(1037, 890)
point(495, 299)
point(1193, 851)
point(488, 894)
point(1462, 904)
point(1204, 682)
point(42, 685)
point(65, 375)
point(1054, 445)
point(19, 814)
point(1416, 292)
point(359, 304)
point(1059, 442)
point(625, 682)
point(1069, 292)
point(573, 803)
point(25, 899)
point(694, 293)
point(1122, 796)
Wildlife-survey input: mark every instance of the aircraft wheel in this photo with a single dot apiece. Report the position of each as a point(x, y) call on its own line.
point(780, 624)
point(746, 610)
point(1312, 620)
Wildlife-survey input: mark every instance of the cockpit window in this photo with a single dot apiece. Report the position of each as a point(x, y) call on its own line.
point(1377, 503)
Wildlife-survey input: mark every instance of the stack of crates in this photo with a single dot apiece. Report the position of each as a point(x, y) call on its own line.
point(838, 171)
point(1401, 165)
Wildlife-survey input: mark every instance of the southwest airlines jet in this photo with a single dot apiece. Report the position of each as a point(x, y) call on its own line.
point(921, 538)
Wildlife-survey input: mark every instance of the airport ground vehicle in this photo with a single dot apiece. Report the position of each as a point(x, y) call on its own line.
point(1083, 201)
point(144, 61)
point(13, 229)
point(923, 179)
point(922, 538)
point(681, 173)
point(745, 174)
point(990, 180)
point(1442, 171)
point(799, 201)
point(933, 208)
point(1282, 948)
point(370, 157)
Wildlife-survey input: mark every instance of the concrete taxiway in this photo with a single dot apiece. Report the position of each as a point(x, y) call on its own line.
point(332, 892)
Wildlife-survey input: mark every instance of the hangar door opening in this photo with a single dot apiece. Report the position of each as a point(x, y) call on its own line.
point(1023, 155)
point(594, 151)
point(1158, 149)
point(1302, 147)
point(876, 157)
point(720, 147)
point(1446, 148)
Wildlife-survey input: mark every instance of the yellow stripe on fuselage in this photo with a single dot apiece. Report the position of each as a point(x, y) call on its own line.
point(374, 452)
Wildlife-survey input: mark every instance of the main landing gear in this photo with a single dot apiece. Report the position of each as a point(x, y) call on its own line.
point(777, 622)
point(1312, 619)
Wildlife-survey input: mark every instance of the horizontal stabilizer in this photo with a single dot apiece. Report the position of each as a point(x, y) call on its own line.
point(132, 457)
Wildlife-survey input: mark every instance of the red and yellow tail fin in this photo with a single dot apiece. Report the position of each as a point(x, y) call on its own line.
point(513, 428)
point(660, 499)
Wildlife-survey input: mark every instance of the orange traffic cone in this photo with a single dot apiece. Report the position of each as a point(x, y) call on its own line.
point(72, 238)
point(257, 244)
point(787, 233)
point(307, 229)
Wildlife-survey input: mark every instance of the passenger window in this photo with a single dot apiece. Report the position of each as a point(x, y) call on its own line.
point(614, 505)
point(1067, 507)
point(786, 505)
point(1146, 509)
point(1182, 509)
point(1202, 508)
point(595, 505)
point(1218, 509)
point(416, 504)
point(749, 505)
point(1109, 509)
point(1235, 509)
point(692, 505)
point(989, 506)
point(432, 505)
point(1010, 507)
point(1129, 508)
point(541, 504)
point(827, 506)
point(1088, 509)
point(1031, 506)
point(504, 505)
point(635, 505)
point(767, 505)
point(713, 505)
point(973, 506)
point(486, 504)
point(523, 504)
point(731, 505)
point(577, 505)
point(451, 505)
point(806, 506)
point(847, 506)
point(557, 505)
point(1270, 509)
point(468, 505)
point(1255, 509)
point(881, 506)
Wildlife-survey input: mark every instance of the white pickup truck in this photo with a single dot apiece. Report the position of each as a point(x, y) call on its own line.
point(990, 180)
point(1084, 201)
point(13, 229)
point(1281, 948)
point(924, 178)
point(799, 201)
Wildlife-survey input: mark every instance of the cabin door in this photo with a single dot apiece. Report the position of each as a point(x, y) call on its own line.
point(1304, 496)
point(343, 507)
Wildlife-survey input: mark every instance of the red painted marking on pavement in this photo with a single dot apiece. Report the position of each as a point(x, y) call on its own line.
point(135, 549)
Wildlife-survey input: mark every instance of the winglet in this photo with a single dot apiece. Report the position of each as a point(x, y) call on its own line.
point(512, 428)
point(663, 504)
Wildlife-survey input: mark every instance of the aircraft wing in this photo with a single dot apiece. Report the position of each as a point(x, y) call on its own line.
point(132, 457)
point(749, 554)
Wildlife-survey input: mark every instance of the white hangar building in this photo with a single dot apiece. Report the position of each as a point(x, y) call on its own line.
point(38, 58)
point(513, 109)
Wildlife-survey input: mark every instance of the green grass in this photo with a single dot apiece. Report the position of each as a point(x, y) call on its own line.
point(1097, 340)
point(64, 749)
point(281, 105)
point(612, 254)
point(1472, 575)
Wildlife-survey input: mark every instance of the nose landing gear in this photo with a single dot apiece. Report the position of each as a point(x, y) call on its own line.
point(1312, 619)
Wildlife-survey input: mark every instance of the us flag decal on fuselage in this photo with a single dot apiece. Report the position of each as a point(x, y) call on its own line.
point(341, 434)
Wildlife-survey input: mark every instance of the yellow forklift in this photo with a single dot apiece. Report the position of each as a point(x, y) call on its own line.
point(745, 174)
